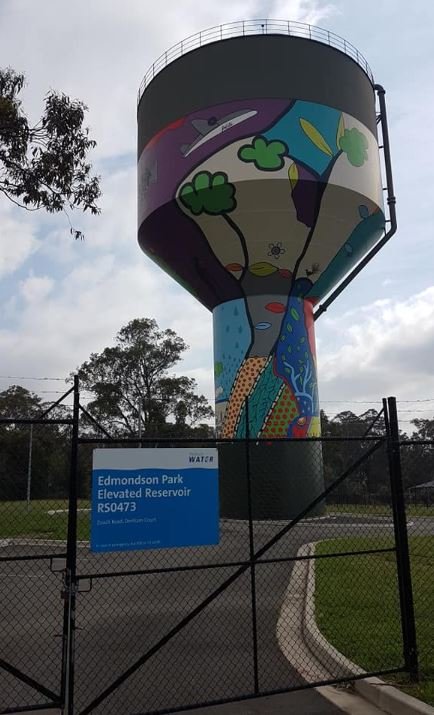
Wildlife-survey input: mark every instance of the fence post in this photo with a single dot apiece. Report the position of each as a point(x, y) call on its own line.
point(29, 469)
point(70, 586)
point(408, 624)
point(252, 551)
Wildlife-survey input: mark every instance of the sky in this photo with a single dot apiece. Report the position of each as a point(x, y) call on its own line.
point(62, 299)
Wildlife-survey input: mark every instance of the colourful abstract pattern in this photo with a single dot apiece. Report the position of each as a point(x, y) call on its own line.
point(259, 208)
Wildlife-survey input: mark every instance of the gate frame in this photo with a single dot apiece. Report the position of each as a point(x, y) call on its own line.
point(71, 580)
point(406, 603)
point(400, 547)
point(58, 700)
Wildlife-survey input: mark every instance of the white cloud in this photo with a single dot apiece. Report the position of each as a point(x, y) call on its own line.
point(71, 298)
point(384, 348)
point(35, 289)
point(17, 241)
point(311, 13)
point(99, 51)
point(61, 324)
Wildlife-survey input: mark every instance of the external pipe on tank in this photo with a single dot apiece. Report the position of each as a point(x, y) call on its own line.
point(391, 202)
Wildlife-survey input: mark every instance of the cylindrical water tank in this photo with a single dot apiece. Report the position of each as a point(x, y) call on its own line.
point(259, 188)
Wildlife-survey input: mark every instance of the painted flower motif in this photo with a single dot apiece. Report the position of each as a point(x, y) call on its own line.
point(276, 250)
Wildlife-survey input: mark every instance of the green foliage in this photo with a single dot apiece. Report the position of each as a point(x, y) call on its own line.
point(47, 445)
point(47, 518)
point(265, 155)
point(424, 427)
point(355, 145)
point(45, 165)
point(357, 605)
point(209, 193)
point(132, 379)
point(370, 484)
point(16, 401)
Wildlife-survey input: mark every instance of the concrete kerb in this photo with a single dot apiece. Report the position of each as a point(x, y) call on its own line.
point(384, 696)
point(293, 645)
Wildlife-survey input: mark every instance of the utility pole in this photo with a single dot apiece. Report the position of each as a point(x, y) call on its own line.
point(140, 419)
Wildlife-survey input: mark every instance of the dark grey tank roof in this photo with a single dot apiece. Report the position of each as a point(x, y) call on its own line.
point(257, 66)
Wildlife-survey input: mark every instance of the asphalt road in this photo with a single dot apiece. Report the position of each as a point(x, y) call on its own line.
point(120, 617)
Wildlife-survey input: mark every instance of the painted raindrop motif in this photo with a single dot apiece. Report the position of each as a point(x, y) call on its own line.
point(262, 326)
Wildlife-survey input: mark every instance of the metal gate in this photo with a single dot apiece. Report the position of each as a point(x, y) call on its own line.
point(33, 607)
point(160, 631)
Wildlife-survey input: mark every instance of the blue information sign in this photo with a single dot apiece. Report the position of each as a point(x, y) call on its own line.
point(154, 498)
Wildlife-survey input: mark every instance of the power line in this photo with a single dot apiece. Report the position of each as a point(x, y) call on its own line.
point(58, 392)
point(322, 402)
point(429, 409)
point(351, 402)
point(21, 377)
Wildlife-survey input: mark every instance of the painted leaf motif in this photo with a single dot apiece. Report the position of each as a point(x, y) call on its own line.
point(218, 369)
point(315, 136)
point(293, 175)
point(275, 307)
point(262, 268)
point(285, 273)
point(201, 181)
point(340, 131)
point(219, 179)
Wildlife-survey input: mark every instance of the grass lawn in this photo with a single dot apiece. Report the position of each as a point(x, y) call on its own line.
point(357, 608)
point(37, 523)
point(378, 509)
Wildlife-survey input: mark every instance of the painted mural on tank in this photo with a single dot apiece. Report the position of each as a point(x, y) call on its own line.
point(266, 204)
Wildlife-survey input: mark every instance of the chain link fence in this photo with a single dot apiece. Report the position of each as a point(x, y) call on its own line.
point(277, 605)
point(220, 623)
point(418, 471)
point(34, 502)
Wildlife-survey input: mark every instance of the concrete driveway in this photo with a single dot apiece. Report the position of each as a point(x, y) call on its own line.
point(121, 616)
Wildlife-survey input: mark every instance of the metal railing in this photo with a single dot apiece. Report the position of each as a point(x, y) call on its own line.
point(253, 27)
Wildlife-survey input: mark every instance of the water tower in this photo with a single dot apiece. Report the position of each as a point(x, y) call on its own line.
point(260, 192)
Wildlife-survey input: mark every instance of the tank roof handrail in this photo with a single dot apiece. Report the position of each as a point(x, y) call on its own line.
point(241, 28)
